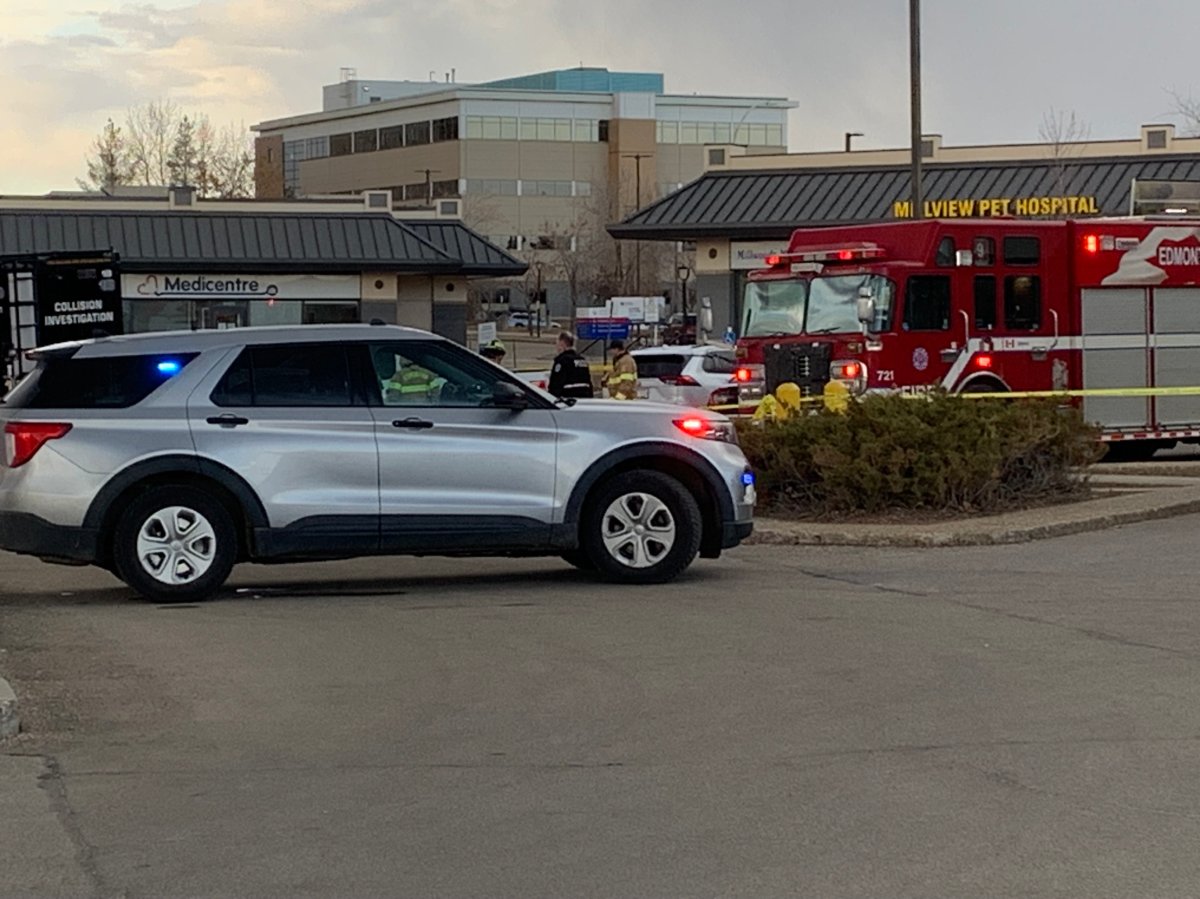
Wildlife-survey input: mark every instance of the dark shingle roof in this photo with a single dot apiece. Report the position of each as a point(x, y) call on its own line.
point(209, 241)
point(771, 203)
point(459, 241)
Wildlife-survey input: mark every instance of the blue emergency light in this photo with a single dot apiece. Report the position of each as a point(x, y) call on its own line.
point(169, 367)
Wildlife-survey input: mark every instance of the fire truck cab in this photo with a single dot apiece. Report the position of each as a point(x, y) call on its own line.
point(988, 305)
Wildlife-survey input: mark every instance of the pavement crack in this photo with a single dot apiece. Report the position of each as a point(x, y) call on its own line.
point(54, 783)
point(882, 588)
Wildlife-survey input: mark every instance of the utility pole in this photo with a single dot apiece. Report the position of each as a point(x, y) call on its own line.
point(914, 54)
point(428, 173)
point(850, 135)
point(637, 204)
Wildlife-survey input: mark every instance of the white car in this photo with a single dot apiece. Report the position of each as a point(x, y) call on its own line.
point(522, 319)
point(688, 375)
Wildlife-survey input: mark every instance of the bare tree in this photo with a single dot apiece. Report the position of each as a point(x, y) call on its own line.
point(1187, 108)
point(1065, 136)
point(161, 145)
point(107, 164)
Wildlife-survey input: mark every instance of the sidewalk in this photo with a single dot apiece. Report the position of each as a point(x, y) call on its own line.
point(1133, 497)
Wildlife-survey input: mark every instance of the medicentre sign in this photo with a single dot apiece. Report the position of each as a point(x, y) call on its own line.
point(1000, 206)
point(241, 287)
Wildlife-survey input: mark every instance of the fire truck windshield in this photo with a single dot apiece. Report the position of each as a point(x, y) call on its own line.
point(825, 305)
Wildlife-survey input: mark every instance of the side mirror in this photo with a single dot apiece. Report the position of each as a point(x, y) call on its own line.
point(866, 306)
point(509, 396)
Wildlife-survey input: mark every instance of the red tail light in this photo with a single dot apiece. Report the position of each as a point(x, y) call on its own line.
point(25, 438)
point(680, 380)
point(692, 425)
point(983, 360)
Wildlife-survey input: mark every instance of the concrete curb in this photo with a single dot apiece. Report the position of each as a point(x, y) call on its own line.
point(10, 721)
point(1013, 527)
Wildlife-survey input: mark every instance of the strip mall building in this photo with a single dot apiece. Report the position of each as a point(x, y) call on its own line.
point(744, 208)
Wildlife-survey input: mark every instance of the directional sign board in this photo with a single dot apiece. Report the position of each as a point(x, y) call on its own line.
point(602, 328)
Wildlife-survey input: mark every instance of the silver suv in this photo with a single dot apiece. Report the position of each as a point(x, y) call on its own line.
point(167, 458)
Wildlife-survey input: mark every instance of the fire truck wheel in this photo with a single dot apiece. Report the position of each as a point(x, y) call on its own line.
point(1135, 450)
point(985, 387)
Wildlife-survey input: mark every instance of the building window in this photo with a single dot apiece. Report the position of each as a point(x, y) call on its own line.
point(723, 133)
point(341, 145)
point(1156, 139)
point(528, 129)
point(366, 141)
point(706, 133)
point(493, 187)
point(775, 136)
point(545, 188)
point(414, 191)
point(585, 130)
point(1022, 302)
point(583, 188)
point(602, 131)
point(445, 129)
point(689, 133)
point(927, 149)
point(668, 132)
point(447, 188)
point(416, 134)
point(391, 138)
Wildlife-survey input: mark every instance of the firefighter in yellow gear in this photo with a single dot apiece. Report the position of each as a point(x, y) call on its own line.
point(781, 406)
point(411, 384)
point(623, 382)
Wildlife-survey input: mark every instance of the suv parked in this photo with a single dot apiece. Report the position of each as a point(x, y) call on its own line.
point(688, 375)
point(167, 458)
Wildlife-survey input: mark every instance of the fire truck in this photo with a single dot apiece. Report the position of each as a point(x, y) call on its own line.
point(989, 305)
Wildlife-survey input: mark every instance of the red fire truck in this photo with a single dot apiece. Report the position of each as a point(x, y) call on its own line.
point(984, 305)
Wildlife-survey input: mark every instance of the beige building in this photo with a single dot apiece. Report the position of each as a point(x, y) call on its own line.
point(528, 157)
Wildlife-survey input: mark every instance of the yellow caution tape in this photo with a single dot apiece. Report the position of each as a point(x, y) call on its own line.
point(1093, 391)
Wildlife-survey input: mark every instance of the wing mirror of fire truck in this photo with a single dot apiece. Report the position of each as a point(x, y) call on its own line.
point(866, 306)
point(964, 258)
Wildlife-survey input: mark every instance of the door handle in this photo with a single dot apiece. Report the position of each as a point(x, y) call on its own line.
point(228, 420)
point(415, 424)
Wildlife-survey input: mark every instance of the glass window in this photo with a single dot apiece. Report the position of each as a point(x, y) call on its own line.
point(491, 127)
point(583, 188)
point(416, 133)
point(1022, 250)
point(707, 133)
point(584, 130)
point(945, 251)
point(660, 365)
point(775, 135)
point(340, 145)
point(303, 375)
point(688, 133)
point(317, 147)
point(447, 129)
point(720, 363)
point(985, 302)
point(447, 188)
point(310, 374)
point(833, 303)
point(391, 138)
point(774, 308)
point(758, 135)
point(416, 373)
point(984, 250)
point(474, 127)
point(722, 133)
point(670, 133)
point(528, 129)
point(112, 382)
point(1022, 302)
point(366, 141)
point(927, 303)
point(602, 131)
point(508, 128)
point(545, 129)
point(562, 129)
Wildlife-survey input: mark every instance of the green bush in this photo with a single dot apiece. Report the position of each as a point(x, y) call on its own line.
point(938, 452)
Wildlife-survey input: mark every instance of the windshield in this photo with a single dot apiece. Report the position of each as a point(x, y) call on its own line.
point(821, 306)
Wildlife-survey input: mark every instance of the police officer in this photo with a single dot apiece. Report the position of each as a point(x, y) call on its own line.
point(570, 376)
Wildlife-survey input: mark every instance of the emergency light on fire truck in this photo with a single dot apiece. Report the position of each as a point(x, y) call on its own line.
point(854, 252)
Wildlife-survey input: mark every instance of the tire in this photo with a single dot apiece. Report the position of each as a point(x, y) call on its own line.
point(654, 502)
point(1132, 451)
point(983, 387)
point(198, 538)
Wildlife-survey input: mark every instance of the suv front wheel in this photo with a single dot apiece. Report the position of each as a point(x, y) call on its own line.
point(175, 544)
point(641, 527)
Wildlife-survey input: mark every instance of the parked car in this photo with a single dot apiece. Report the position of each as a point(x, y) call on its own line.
point(688, 375)
point(168, 458)
point(521, 319)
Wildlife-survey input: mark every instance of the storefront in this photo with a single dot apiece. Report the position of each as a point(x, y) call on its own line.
point(738, 217)
point(186, 265)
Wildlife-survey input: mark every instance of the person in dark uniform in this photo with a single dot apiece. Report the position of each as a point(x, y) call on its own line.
point(570, 376)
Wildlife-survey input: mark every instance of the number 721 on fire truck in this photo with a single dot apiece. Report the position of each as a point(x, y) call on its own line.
point(990, 305)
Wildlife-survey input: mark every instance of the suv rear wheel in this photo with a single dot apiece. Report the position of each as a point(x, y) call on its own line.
point(642, 527)
point(175, 544)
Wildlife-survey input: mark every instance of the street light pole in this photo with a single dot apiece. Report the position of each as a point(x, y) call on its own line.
point(637, 204)
point(850, 135)
point(914, 53)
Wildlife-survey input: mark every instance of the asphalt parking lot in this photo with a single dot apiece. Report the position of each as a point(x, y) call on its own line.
point(793, 721)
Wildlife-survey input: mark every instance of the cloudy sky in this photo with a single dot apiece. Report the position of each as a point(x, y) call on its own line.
point(992, 70)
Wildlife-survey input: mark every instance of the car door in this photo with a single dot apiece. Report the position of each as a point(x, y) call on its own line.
point(455, 472)
point(293, 422)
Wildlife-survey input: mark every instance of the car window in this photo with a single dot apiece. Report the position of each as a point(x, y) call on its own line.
point(107, 382)
point(720, 363)
point(310, 374)
point(659, 365)
point(420, 373)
